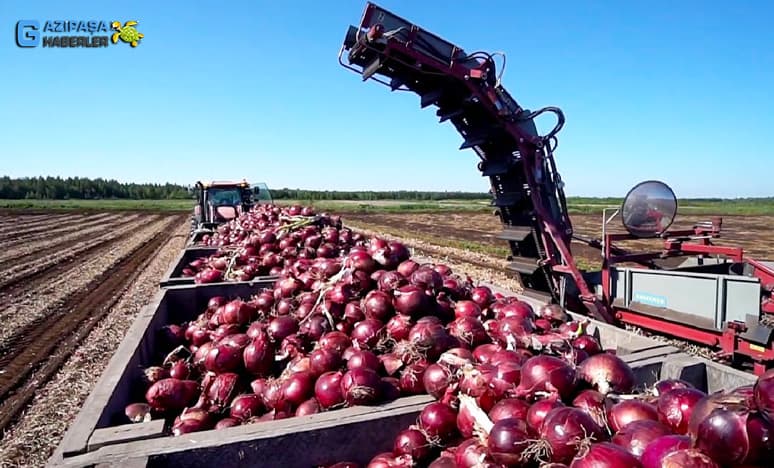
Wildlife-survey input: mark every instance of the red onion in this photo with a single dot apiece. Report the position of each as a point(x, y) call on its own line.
point(467, 309)
point(361, 261)
point(407, 267)
point(360, 386)
point(538, 411)
point(562, 430)
point(336, 341)
point(324, 360)
point(391, 281)
point(315, 327)
point(663, 386)
point(439, 421)
point(507, 441)
point(138, 412)
point(763, 394)
point(367, 333)
point(729, 433)
point(604, 455)
point(607, 373)
point(364, 359)
point(509, 408)
point(545, 373)
point(587, 343)
point(637, 435)
point(592, 403)
point(310, 406)
point(223, 389)
point(656, 450)
point(238, 312)
point(469, 330)
point(687, 458)
point(223, 358)
point(676, 406)
point(517, 309)
point(327, 389)
point(436, 380)
point(281, 327)
point(171, 394)
point(411, 300)
point(412, 442)
point(412, 378)
point(378, 305)
point(426, 278)
point(482, 296)
point(298, 387)
point(398, 327)
point(484, 352)
point(627, 411)
point(246, 406)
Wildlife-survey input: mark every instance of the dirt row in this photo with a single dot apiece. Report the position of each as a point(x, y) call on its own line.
point(24, 267)
point(22, 308)
point(11, 223)
point(47, 229)
point(51, 244)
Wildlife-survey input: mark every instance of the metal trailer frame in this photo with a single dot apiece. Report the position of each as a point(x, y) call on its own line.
point(735, 287)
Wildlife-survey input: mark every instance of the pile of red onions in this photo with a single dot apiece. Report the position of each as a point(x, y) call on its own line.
point(513, 385)
point(266, 240)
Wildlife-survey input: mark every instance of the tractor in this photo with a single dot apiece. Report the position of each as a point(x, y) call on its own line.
point(219, 202)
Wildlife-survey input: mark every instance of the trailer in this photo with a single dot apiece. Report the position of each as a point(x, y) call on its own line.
point(102, 436)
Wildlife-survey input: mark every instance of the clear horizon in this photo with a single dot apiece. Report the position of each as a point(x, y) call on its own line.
point(678, 92)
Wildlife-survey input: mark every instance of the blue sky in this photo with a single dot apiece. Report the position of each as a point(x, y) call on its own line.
point(678, 91)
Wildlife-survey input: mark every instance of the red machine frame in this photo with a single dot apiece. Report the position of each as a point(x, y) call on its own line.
point(696, 241)
point(421, 62)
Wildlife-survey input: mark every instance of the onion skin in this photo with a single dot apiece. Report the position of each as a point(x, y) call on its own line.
point(605, 455)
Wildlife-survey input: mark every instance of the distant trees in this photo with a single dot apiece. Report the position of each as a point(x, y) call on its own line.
point(58, 188)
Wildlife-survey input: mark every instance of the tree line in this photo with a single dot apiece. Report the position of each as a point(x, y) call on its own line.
point(82, 188)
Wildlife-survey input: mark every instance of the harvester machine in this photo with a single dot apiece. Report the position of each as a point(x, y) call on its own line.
point(528, 197)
